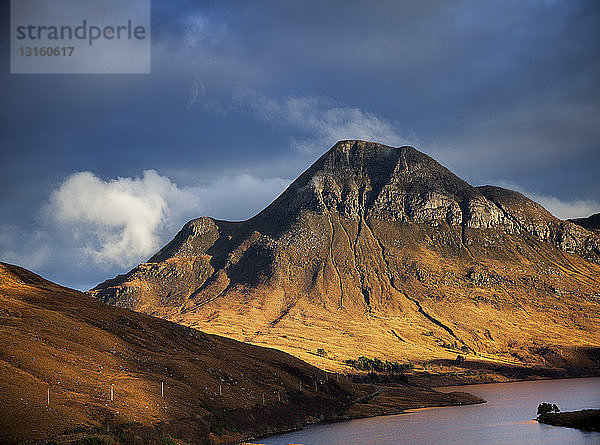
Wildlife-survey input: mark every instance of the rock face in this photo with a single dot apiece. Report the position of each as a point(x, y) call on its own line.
point(376, 250)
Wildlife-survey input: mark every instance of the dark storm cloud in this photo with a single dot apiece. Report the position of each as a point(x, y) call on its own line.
point(476, 83)
point(250, 93)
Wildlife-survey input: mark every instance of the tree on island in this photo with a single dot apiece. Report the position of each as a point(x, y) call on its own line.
point(545, 408)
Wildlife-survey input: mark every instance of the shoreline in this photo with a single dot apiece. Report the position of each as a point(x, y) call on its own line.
point(418, 408)
point(516, 381)
point(348, 419)
point(379, 405)
point(477, 372)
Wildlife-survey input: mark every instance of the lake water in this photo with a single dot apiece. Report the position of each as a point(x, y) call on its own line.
point(506, 418)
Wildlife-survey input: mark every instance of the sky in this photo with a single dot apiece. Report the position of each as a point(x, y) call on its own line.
point(99, 171)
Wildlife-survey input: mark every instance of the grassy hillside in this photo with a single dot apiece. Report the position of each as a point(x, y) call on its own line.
point(58, 341)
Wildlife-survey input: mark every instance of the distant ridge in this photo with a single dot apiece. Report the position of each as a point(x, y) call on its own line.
point(590, 223)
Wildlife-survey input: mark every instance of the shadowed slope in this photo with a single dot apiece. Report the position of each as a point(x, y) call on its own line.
point(61, 353)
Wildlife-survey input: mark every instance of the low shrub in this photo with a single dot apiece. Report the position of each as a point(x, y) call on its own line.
point(374, 364)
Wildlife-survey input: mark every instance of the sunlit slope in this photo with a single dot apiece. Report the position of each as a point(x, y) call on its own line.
point(59, 343)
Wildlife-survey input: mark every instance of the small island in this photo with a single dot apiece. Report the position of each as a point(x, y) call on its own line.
point(586, 419)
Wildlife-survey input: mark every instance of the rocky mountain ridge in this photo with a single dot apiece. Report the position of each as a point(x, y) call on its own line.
point(384, 248)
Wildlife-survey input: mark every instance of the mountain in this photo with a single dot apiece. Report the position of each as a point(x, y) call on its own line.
point(59, 343)
point(383, 252)
point(591, 223)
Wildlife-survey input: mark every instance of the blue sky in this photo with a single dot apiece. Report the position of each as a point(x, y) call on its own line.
point(98, 171)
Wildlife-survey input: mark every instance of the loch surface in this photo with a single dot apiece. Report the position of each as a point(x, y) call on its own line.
point(506, 418)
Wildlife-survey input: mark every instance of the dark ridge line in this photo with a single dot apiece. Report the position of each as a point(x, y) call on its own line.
point(284, 312)
point(360, 273)
point(354, 260)
point(433, 319)
point(419, 307)
point(397, 336)
point(333, 261)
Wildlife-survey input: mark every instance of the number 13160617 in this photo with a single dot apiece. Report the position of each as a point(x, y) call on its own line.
point(43, 51)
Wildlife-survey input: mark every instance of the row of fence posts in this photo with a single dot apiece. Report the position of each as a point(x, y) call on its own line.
point(162, 390)
point(278, 397)
point(162, 387)
point(112, 392)
point(337, 378)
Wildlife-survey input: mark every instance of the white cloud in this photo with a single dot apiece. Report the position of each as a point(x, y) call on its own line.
point(238, 197)
point(322, 120)
point(578, 208)
point(120, 220)
point(124, 220)
point(92, 228)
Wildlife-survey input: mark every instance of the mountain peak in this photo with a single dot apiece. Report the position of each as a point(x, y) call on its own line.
point(359, 179)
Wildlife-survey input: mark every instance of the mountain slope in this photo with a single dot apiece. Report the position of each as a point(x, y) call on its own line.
point(382, 251)
point(59, 343)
